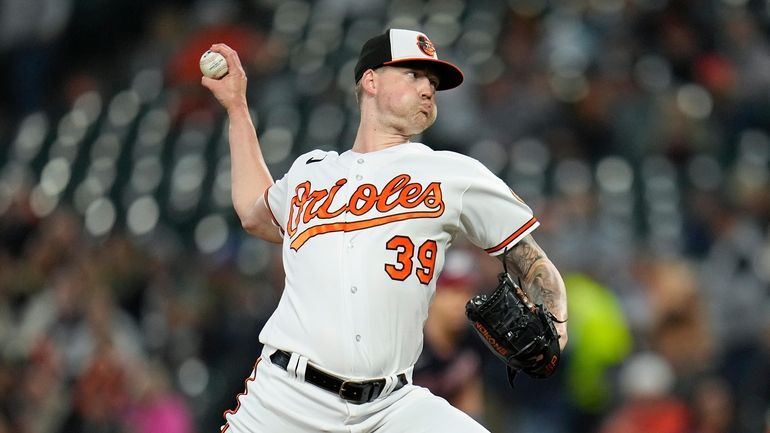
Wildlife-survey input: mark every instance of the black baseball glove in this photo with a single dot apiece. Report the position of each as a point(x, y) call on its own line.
point(519, 332)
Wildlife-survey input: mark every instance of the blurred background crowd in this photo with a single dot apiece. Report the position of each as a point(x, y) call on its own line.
point(637, 130)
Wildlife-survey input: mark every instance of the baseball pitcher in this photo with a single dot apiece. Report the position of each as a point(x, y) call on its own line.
point(364, 235)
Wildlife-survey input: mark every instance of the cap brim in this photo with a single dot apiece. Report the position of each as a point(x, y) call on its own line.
point(449, 75)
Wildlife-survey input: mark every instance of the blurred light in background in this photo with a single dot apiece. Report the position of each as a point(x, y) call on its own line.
point(211, 233)
point(153, 130)
point(30, 137)
point(143, 215)
point(276, 144)
point(491, 153)
point(614, 175)
point(653, 73)
point(572, 177)
point(71, 130)
point(86, 193)
point(694, 101)
point(443, 27)
point(193, 376)
point(253, 256)
point(41, 203)
point(646, 375)
point(705, 173)
point(123, 108)
point(55, 176)
point(147, 174)
point(290, 17)
point(89, 105)
point(221, 190)
point(100, 217)
point(529, 156)
point(148, 85)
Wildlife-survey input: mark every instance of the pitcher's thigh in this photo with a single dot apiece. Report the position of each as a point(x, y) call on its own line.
point(422, 412)
point(273, 403)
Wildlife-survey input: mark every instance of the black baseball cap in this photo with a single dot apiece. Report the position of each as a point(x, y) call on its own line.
point(398, 46)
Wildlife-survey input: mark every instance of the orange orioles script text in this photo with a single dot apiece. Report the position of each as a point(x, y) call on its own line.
point(399, 194)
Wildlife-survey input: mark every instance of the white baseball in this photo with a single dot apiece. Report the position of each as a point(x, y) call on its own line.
point(213, 65)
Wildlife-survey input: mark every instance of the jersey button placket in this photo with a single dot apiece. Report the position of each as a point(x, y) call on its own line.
point(350, 277)
point(356, 176)
point(359, 177)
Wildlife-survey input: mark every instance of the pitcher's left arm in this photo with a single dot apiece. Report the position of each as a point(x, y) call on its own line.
point(541, 280)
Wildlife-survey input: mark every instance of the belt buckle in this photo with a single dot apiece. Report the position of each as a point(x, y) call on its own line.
point(357, 392)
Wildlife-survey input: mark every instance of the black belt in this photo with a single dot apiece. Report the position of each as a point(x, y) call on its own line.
point(356, 392)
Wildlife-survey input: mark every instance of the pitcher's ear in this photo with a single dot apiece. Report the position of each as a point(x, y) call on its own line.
point(369, 81)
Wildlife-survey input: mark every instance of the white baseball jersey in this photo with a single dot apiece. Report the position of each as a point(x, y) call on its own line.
point(364, 241)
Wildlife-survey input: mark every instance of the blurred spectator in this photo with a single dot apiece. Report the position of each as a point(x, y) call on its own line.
point(19, 223)
point(57, 312)
point(599, 341)
point(680, 330)
point(647, 405)
point(46, 249)
point(126, 270)
point(100, 394)
point(743, 41)
point(752, 395)
point(230, 342)
point(44, 400)
point(735, 293)
point(713, 410)
point(156, 408)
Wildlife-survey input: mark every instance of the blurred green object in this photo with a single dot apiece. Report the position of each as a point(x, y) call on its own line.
point(599, 339)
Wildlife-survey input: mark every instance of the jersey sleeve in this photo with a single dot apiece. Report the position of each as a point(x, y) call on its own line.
point(493, 217)
point(275, 200)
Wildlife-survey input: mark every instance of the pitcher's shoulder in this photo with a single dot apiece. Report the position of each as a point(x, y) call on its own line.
point(454, 160)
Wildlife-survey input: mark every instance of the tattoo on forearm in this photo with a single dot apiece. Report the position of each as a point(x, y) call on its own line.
point(547, 283)
point(523, 255)
point(539, 277)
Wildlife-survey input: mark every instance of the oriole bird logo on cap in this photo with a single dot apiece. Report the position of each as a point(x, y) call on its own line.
point(425, 45)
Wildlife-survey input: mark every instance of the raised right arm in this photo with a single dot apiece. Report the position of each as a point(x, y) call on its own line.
point(250, 176)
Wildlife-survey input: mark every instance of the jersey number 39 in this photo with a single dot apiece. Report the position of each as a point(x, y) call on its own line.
point(426, 256)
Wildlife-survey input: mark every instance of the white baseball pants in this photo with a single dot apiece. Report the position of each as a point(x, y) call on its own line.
point(274, 402)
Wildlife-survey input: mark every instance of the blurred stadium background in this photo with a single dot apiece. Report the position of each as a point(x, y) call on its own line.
point(131, 301)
